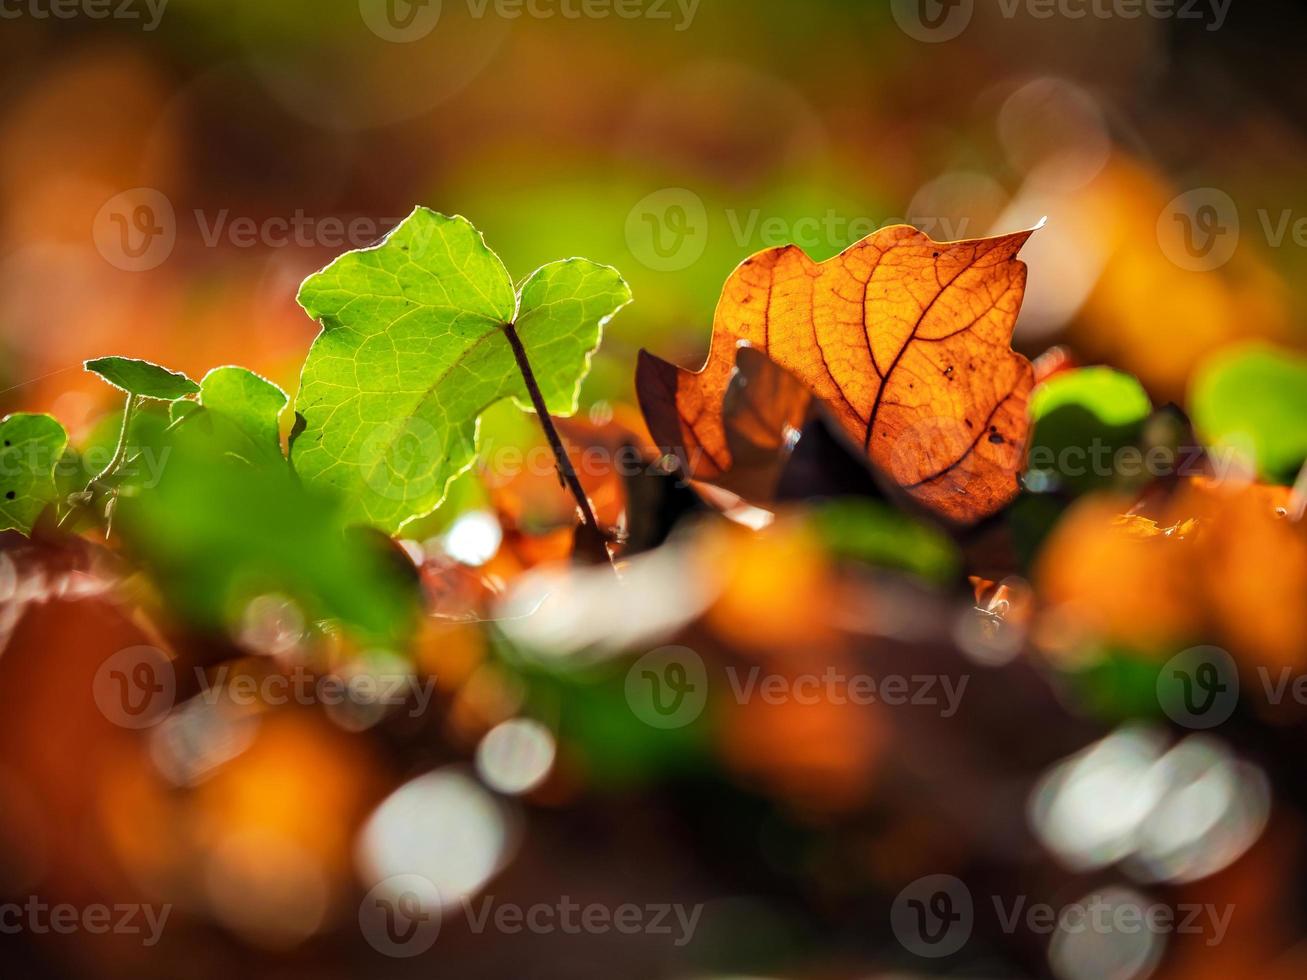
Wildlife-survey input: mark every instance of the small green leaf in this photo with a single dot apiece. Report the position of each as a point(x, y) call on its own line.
point(31, 446)
point(412, 351)
point(1082, 419)
point(1253, 400)
point(142, 378)
point(249, 405)
point(1113, 397)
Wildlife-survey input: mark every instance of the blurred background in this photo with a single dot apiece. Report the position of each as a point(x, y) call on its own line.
point(169, 173)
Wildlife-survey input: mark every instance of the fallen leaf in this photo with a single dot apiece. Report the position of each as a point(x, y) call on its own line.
point(905, 341)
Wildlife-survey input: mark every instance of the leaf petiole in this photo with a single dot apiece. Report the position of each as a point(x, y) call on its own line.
point(564, 462)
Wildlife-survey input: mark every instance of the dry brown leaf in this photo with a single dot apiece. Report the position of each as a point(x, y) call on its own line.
point(905, 341)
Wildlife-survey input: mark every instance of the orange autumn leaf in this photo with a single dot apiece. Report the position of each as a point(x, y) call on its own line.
point(905, 342)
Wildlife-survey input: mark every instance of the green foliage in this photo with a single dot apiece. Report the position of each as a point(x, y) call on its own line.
point(143, 378)
point(412, 351)
point(1079, 417)
point(1253, 400)
point(31, 446)
point(221, 528)
point(875, 533)
point(244, 408)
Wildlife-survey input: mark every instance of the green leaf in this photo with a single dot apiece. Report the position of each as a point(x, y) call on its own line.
point(142, 378)
point(412, 351)
point(1253, 400)
point(247, 406)
point(216, 533)
point(1082, 418)
point(871, 532)
point(31, 446)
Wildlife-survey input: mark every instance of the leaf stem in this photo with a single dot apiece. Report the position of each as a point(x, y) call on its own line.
point(120, 453)
point(551, 432)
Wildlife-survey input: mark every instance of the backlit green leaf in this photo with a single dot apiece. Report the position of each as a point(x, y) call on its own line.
point(1253, 401)
point(1082, 419)
point(412, 351)
point(30, 448)
point(143, 378)
point(249, 406)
